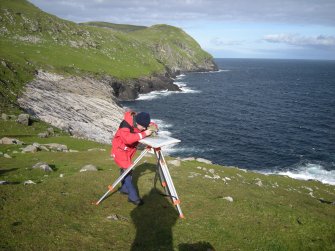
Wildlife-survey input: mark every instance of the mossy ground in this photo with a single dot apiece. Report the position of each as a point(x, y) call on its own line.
point(57, 212)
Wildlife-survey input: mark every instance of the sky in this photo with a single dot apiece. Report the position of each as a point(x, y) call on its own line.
point(285, 29)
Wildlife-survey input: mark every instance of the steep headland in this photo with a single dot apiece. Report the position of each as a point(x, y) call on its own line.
point(127, 60)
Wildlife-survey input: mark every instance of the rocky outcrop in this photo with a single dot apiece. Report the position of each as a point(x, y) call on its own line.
point(83, 106)
point(130, 89)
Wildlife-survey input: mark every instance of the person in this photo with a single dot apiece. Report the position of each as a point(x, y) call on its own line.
point(132, 129)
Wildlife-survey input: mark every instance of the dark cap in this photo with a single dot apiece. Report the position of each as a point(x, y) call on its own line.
point(143, 119)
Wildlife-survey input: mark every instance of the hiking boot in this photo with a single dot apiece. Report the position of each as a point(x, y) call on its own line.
point(137, 202)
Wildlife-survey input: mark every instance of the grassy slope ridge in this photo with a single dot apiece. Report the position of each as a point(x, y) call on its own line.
point(32, 39)
point(56, 213)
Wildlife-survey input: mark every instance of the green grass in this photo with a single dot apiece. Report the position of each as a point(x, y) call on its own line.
point(32, 39)
point(57, 213)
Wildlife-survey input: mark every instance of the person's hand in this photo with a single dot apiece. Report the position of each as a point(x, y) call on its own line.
point(148, 132)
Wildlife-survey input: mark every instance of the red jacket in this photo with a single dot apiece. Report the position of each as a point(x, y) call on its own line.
point(124, 142)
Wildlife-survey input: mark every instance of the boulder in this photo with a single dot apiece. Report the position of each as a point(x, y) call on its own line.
point(204, 161)
point(23, 119)
point(29, 182)
point(51, 131)
point(57, 147)
point(174, 162)
point(7, 156)
point(10, 141)
point(43, 135)
point(29, 149)
point(4, 116)
point(228, 198)
point(89, 167)
point(188, 159)
point(43, 166)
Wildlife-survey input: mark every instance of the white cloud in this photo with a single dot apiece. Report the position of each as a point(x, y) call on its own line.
point(216, 41)
point(298, 40)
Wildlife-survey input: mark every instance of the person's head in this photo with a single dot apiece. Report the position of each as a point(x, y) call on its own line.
point(142, 120)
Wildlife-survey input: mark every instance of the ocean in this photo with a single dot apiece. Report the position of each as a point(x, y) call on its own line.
point(269, 116)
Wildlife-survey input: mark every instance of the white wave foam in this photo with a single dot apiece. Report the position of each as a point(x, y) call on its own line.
point(309, 171)
point(184, 88)
point(205, 72)
point(154, 95)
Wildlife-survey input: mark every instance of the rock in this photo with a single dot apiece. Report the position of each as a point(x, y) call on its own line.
point(227, 178)
point(174, 162)
point(7, 156)
point(259, 183)
point(1, 153)
point(117, 217)
point(216, 177)
point(89, 167)
point(57, 147)
point(204, 161)
point(43, 166)
point(61, 175)
point(10, 141)
point(4, 116)
point(188, 159)
point(3, 182)
point(51, 131)
point(208, 177)
point(29, 149)
point(23, 119)
point(29, 182)
point(96, 149)
point(43, 135)
point(12, 117)
point(230, 199)
point(211, 170)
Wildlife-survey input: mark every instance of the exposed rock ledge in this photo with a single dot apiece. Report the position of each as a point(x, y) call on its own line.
point(83, 106)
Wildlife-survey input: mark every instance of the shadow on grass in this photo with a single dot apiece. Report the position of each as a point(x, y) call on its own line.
point(3, 171)
point(155, 219)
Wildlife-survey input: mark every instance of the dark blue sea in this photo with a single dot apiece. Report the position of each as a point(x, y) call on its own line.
point(270, 116)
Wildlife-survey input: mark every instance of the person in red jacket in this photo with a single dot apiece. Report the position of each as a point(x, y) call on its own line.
point(132, 129)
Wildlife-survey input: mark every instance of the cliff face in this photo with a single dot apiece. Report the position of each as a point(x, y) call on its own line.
point(74, 73)
point(84, 107)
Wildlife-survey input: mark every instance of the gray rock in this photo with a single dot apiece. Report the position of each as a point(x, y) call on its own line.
point(29, 149)
point(174, 162)
point(43, 166)
point(259, 183)
point(188, 159)
point(29, 182)
point(3, 182)
point(7, 156)
point(51, 131)
point(89, 167)
point(228, 198)
point(204, 161)
point(10, 141)
point(12, 117)
point(4, 116)
point(43, 135)
point(57, 147)
point(23, 119)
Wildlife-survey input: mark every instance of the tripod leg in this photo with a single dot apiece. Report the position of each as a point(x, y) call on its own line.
point(170, 185)
point(111, 187)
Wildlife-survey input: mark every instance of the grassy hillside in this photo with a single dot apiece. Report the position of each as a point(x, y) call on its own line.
point(267, 212)
point(32, 39)
point(117, 27)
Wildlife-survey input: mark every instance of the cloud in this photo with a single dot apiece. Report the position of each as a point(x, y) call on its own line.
point(320, 41)
point(216, 41)
point(148, 12)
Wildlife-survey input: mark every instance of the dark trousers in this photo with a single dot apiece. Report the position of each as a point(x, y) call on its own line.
point(128, 186)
